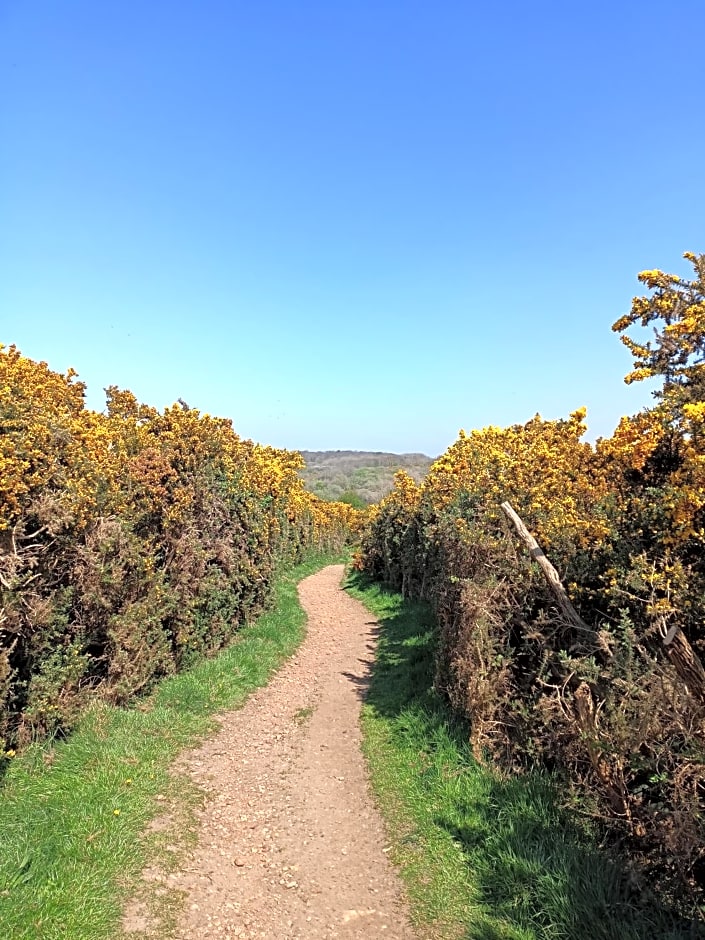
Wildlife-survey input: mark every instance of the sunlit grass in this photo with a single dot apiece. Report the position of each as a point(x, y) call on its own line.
point(73, 813)
point(483, 857)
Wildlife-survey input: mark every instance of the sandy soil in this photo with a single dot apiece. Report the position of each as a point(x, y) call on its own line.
point(291, 844)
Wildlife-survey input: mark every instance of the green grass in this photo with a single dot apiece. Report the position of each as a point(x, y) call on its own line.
point(73, 814)
point(483, 857)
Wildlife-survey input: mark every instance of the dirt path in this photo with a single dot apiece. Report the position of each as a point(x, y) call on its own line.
point(291, 844)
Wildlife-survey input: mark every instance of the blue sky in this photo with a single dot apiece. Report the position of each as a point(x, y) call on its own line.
point(346, 225)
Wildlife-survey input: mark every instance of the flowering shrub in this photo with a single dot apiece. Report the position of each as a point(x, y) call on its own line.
point(605, 701)
point(130, 542)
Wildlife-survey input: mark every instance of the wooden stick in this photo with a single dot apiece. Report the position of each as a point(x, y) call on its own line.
point(686, 663)
point(678, 649)
point(550, 573)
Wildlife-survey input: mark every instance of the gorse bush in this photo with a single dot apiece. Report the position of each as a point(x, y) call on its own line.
point(131, 541)
point(615, 703)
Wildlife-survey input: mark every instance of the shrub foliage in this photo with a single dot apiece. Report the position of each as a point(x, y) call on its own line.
point(616, 704)
point(130, 541)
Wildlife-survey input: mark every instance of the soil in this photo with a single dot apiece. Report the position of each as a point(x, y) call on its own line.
point(291, 844)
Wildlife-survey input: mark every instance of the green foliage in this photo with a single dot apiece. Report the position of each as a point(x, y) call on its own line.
point(600, 704)
point(130, 543)
point(352, 499)
point(619, 712)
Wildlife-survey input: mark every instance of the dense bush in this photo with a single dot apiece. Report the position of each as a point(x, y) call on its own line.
point(130, 542)
point(615, 701)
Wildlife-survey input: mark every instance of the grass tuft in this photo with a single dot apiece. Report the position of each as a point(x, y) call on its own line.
point(484, 857)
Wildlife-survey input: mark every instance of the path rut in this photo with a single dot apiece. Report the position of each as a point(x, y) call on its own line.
point(291, 844)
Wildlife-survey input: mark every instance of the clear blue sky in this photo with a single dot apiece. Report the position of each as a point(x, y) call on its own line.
point(346, 224)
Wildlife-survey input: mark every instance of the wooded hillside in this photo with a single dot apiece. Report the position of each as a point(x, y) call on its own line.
point(367, 475)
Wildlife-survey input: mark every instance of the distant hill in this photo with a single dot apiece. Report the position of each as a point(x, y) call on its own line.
point(356, 475)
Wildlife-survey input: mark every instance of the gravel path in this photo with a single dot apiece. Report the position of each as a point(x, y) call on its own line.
point(291, 844)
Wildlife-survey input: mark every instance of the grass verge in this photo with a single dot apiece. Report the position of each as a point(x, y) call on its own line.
point(483, 857)
point(73, 813)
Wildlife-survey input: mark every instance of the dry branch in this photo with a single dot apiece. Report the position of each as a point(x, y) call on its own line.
point(679, 651)
point(550, 573)
point(686, 662)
